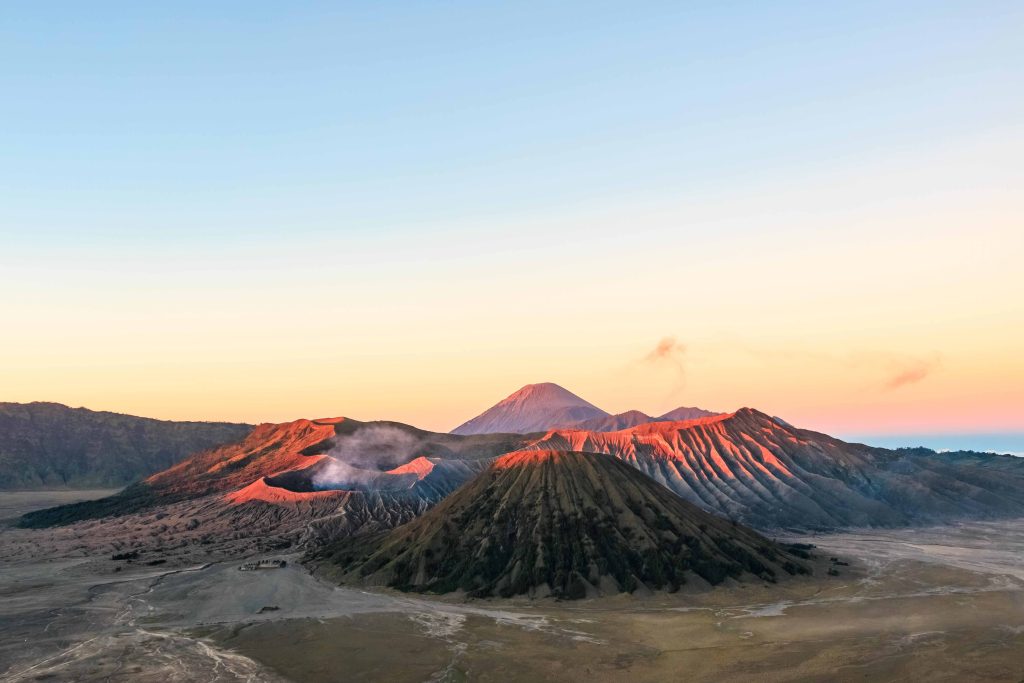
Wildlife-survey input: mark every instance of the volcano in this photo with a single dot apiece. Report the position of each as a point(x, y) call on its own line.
point(534, 408)
point(344, 476)
point(362, 472)
point(564, 524)
point(540, 407)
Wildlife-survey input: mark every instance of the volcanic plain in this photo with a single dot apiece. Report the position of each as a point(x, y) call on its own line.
point(935, 603)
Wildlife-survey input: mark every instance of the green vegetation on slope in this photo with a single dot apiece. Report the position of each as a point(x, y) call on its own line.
point(559, 523)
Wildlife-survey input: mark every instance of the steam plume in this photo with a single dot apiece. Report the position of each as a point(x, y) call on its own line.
point(358, 458)
point(671, 354)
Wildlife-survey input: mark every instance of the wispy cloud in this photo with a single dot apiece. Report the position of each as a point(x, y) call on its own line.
point(668, 349)
point(910, 372)
point(883, 370)
point(669, 353)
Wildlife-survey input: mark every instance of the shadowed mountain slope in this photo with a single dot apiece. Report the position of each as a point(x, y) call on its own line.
point(534, 408)
point(49, 445)
point(560, 523)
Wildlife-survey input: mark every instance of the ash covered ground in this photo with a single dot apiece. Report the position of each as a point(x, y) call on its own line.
point(938, 603)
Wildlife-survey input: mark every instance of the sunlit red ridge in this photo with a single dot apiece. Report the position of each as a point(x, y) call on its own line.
point(527, 458)
point(421, 467)
point(263, 492)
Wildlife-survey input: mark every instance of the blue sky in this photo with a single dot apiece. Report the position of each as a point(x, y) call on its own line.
point(408, 210)
point(254, 118)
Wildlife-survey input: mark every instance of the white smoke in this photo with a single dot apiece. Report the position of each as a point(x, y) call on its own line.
point(358, 458)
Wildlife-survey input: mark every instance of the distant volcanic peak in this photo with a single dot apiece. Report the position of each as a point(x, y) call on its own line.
point(613, 423)
point(549, 392)
point(545, 395)
point(686, 413)
point(534, 408)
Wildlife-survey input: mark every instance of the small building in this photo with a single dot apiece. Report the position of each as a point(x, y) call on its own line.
point(262, 564)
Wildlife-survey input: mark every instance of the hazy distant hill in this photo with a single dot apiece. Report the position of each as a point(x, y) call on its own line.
point(613, 423)
point(684, 413)
point(633, 418)
point(49, 445)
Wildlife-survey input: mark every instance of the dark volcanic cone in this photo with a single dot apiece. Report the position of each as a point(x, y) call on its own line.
point(560, 523)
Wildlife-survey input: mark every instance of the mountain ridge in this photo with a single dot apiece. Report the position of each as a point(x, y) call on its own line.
point(750, 466)
point(685, 413)
point(340, 475)
point(46, 444)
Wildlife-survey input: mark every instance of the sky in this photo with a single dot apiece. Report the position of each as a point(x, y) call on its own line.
point(264, 211)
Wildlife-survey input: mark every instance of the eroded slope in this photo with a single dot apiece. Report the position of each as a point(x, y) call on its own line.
point(563, 523)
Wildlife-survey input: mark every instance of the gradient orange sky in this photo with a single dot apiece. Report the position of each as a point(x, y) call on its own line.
point(837, 240)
